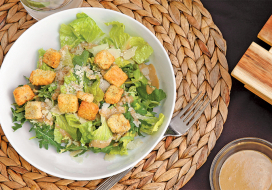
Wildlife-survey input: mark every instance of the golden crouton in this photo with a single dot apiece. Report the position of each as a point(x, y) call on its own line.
point(115, 76)
point(88, 110)
point(52, 58)
point(68, 103)
point(118, 123)
point(87, 97)
point(113, 94)
point(104, 59)
point(41, 77)
point(33, 110)
point(23, 94)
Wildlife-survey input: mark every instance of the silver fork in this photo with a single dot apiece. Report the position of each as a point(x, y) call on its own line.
point(177, 127)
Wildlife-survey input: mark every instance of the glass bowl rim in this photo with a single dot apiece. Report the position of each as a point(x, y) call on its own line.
point(228, 147)
point(50, 10)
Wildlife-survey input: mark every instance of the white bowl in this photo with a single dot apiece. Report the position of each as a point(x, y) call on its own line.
point(21, 60)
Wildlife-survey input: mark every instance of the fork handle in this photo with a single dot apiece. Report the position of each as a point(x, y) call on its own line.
point(111, 181)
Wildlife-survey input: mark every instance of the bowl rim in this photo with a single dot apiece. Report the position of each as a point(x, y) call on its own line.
point(228, 146)
point(172, 102)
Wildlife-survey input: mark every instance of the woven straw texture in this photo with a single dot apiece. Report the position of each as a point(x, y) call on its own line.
point(197, 51)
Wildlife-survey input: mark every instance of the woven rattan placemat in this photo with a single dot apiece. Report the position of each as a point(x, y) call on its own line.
point(197, 50)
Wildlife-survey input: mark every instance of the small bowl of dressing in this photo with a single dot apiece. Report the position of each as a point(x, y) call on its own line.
point(244, 163)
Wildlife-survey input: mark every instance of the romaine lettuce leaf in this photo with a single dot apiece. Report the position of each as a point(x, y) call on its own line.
point(121, 62)
point(63, 124)
point(87, 28)
point(122, 147)
point(117, 35)
point(57, 135)
point(103, 133)
point(151, 124)
point(67, 36)
point(143, 51)
point(41, 52)
point(86, 130)
point(72, 120)
point(95, 90)
point(107, 40)
point(67, 59)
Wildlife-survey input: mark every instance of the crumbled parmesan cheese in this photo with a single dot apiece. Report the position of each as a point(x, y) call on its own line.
point(145, 72)
point(49, 116)
point(129, 53)
point(49, 103)
point(105, 106)
point(134, 115)
point(115, 52)
point(56, 110)
point(137, 123)
point(104, 85)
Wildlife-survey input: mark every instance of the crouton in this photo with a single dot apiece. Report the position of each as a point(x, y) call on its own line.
point(104, 59)
point(52, 58)
point(88, 110)
point(118, 123)
point(68, 103)
point(87, 97)
point(33, 110)
point(113, 94)
point(23, 94)
point(115, 76)
point(41, 77)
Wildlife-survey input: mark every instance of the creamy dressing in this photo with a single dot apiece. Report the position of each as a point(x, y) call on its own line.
point(149, 72)
point(246, 169)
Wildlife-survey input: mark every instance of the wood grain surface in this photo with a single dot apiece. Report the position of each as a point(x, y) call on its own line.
point(255, 71)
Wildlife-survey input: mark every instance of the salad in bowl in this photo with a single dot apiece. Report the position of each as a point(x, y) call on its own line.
point(98, 92)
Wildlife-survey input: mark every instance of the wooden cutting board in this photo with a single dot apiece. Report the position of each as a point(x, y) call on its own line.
point(254, 69)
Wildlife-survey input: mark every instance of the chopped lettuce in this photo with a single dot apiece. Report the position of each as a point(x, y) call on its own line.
point(122, 146)
point(151, 124)
point(103, 133)
point(121, 62)
point(67, 36)
point(72, 120)
point(82, 59)
point(95, 90)
point(86, 130)
point(143, 51)
point(87, 28)
point(69, 78)
point(135, 75)
point(63, 124)
point(57, 135)
point(117, 34)
point(67, 58)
